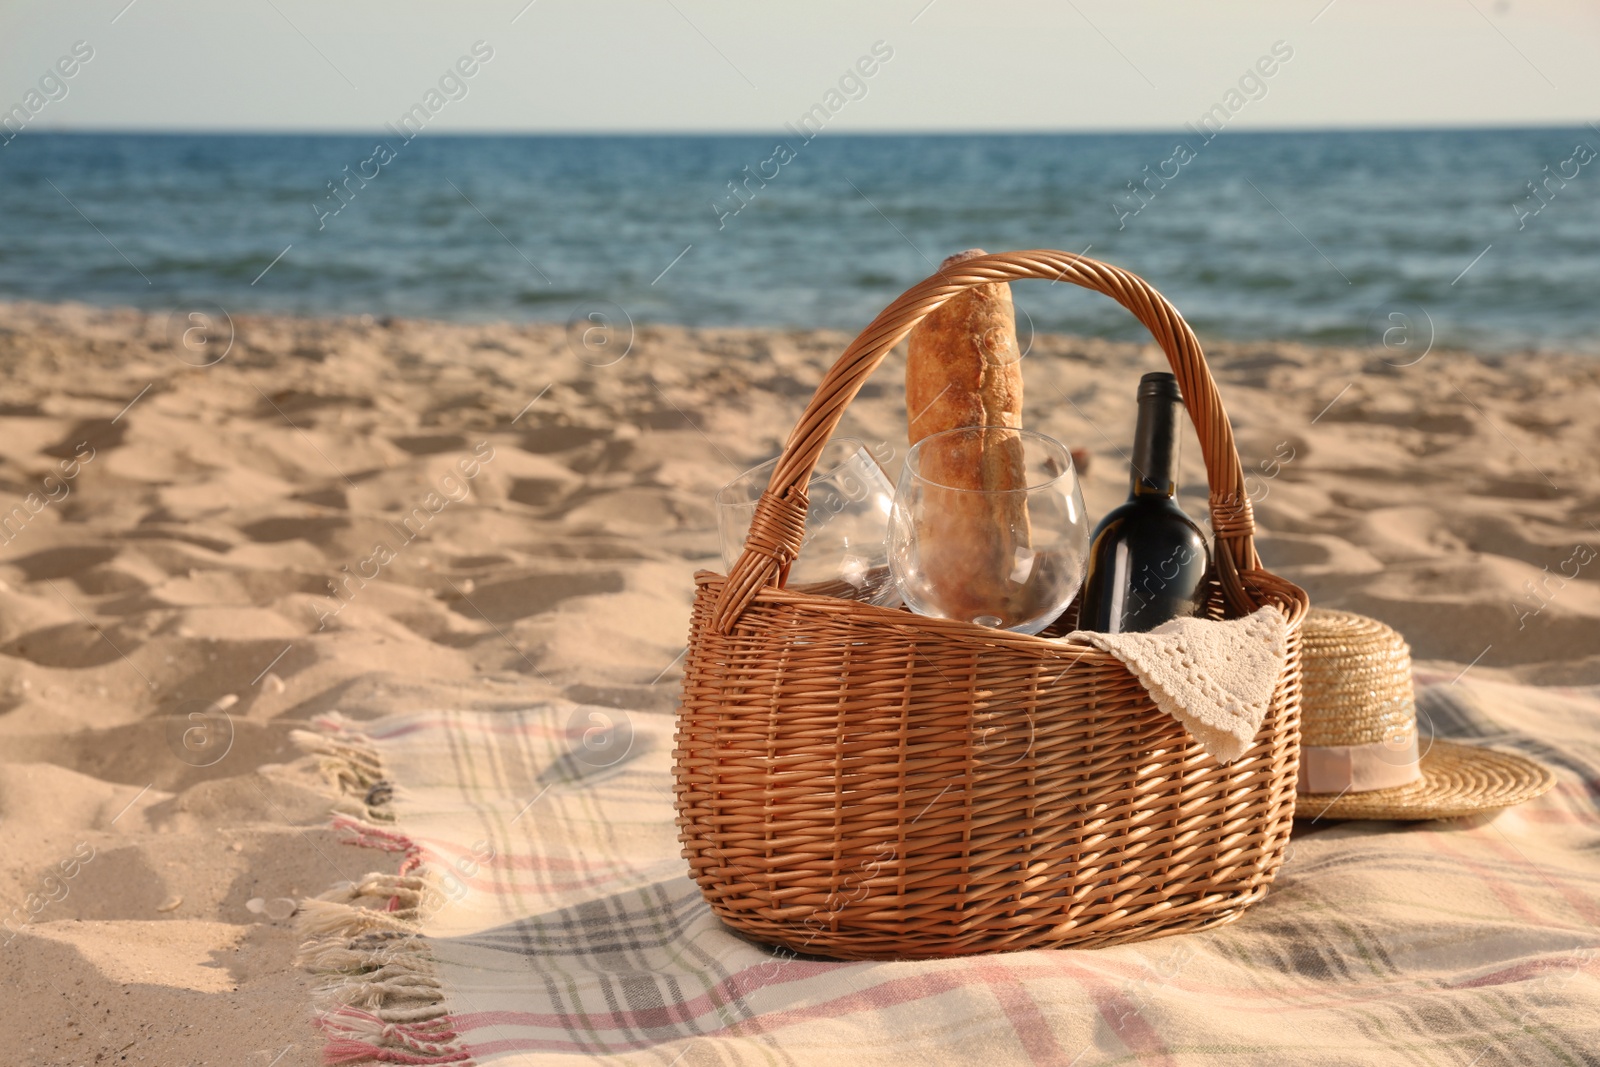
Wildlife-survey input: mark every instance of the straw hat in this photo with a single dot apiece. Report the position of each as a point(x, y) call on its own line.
point(1359, 752)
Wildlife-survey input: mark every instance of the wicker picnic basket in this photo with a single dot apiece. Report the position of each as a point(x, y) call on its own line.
point(861, 782)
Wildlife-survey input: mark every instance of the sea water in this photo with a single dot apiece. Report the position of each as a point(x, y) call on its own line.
point(1491, 238)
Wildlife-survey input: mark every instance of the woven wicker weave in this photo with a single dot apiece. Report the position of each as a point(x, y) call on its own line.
point(861, 782)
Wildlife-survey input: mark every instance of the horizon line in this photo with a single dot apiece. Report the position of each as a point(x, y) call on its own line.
point(1119, 131)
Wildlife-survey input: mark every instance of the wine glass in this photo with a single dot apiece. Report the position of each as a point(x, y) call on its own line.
point(1011, 558)
point(844, 552)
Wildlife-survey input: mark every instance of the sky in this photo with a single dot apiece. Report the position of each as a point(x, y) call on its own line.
point(702, 65)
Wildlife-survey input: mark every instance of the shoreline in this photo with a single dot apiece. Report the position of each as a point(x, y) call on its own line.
point(41, 310)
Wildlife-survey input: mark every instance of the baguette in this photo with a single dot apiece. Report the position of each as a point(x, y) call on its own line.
point(963, 368)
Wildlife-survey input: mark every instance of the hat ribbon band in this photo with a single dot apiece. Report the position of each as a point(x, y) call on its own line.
point(1358, 768)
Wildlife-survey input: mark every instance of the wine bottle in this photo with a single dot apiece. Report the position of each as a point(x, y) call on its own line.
point(1147, 559)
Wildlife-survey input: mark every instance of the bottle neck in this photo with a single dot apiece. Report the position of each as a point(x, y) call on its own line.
point(1155, 448)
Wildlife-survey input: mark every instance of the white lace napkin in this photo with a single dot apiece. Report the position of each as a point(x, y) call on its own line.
point(1214, 677)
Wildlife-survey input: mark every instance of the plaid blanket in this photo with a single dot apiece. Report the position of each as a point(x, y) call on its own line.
point(542, 915)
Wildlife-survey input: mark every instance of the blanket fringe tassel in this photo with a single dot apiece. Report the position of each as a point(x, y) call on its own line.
point(349, 760)
point(379, 999)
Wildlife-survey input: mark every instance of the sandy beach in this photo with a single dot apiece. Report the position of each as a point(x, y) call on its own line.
point(375, 516)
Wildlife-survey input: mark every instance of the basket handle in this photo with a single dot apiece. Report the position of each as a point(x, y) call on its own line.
point(778, 526)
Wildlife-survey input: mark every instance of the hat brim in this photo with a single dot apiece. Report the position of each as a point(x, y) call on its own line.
point(1457, 780)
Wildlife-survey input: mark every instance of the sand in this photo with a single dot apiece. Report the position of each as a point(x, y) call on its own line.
point(374, 516)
